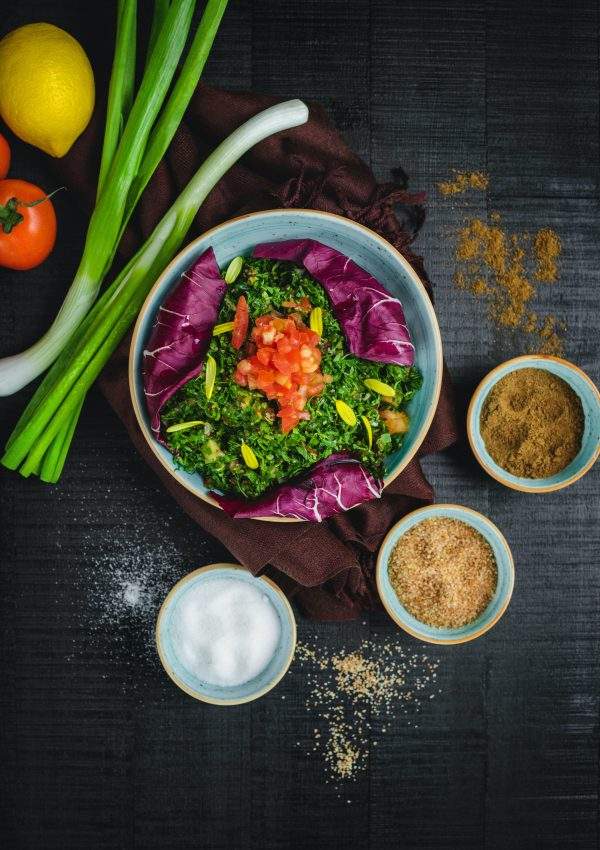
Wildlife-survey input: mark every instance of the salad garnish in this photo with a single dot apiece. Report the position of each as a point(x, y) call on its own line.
point(286, 394)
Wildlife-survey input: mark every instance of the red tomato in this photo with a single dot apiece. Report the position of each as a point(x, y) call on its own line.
point(303, 305)
point(264, 355)
point(4, 157)
point(285, 367)
point(289, 419)
point(240, 323)
point(27, 225)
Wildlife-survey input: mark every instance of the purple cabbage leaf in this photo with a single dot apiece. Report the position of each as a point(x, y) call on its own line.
point(336, 484)
point(181, 335)
point(371, 319)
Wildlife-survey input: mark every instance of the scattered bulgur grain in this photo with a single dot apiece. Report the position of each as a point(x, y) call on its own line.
point(351, 691)
point(444, 572)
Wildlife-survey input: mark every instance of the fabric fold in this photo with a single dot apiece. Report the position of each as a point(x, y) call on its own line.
point(326, 568)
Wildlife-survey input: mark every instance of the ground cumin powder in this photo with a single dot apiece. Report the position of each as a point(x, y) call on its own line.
point(532, 423)
point(547, 251)
point(462, 181)
point(444, 572)
point(501, 267)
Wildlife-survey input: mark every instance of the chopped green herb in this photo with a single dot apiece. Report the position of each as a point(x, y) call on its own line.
point(237, 416)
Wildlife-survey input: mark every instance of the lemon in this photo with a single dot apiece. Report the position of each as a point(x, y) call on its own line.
point(46, 87)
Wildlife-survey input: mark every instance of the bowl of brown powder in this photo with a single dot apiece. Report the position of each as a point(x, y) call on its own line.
point(534, 423)
point(445, 574)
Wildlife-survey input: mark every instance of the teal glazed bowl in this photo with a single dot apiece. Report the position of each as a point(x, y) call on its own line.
point(166, 639)
point(590, 442)
point(372, 252)
point(499, 601)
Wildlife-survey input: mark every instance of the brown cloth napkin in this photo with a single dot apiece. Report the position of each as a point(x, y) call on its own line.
point(327, 567)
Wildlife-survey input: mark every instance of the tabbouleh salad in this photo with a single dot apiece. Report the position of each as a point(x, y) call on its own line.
point(239, 427)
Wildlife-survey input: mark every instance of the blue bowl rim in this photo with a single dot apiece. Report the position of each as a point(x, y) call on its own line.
point(137, 404)
point(163, 657)
point(486, 385)
point(492, 531)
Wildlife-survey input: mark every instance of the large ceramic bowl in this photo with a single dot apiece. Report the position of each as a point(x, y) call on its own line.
point(168, 646)
point(499, 601)
point(372, 252)
point(590, 441)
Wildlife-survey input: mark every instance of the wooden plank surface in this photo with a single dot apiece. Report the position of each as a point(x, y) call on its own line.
point(99, 750)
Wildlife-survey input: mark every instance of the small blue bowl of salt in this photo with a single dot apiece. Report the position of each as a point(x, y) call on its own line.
point(225, 636)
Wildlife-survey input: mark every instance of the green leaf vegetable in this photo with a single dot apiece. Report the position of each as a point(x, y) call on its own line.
point(121, 87)
point(128, 160)
point(83, 336)
point(236, 416)
point(58, 399)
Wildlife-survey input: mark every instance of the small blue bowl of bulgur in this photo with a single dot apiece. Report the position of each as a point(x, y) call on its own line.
point(445, 574)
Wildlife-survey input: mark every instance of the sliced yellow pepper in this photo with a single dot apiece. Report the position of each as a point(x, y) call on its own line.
point(210, 374)
point(369, 431)
point(233, 269)
point(380, 387)
point(346, 413)
point(249, 457)
point(183, 426)
point(223, 328)
point(316, 320)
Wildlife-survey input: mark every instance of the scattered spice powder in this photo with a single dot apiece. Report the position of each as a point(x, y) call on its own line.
point(532, 423)
point(493, 264)
point(462, 181)
point(355, 694)
point(547, 248)
point(444, 572)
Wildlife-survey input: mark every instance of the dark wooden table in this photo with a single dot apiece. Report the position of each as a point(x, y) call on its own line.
point(99, 749)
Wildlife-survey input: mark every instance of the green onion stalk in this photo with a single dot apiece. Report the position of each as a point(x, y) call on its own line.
point(121, 86)
point(40, 441)
point(136, 138)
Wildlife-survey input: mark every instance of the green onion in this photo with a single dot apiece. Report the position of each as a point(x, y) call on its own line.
point(129, 171)
point(54, 459)
point(233, 269)
point(161, 7)
point(58, 399)
point(120, 90)
point(185, 86)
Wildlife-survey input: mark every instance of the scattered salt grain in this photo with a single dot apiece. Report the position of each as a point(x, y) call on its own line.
point(226, 631)
point(132, 593)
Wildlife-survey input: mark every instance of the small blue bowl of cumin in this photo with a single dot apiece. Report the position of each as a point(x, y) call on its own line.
point(589, 397)
point(498, 602)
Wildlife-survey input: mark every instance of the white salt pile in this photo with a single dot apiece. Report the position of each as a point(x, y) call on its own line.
point(226, 631)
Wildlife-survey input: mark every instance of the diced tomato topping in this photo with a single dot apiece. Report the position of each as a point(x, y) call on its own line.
point(264, 355)
point(240, 323)
point(289, 419)
point(303, 304)
point(284, 364)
